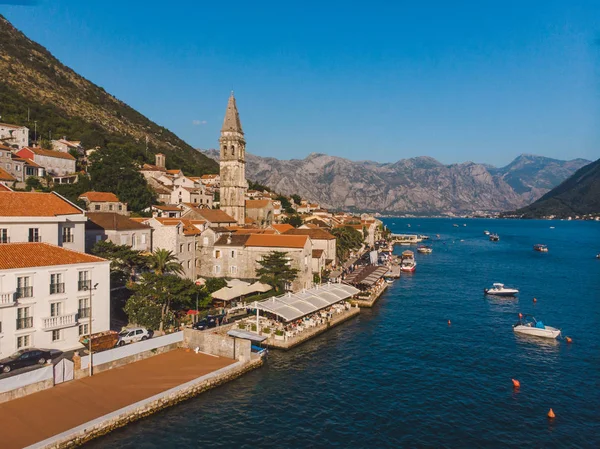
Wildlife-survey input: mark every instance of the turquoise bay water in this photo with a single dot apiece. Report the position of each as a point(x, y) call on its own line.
point(400, 376)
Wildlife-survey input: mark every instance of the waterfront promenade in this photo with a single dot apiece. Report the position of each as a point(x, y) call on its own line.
point(42, 415)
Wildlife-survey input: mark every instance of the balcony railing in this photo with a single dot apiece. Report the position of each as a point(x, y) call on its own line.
point(84, 285)
point(24, 323)
point(7, 299)
point(59, 322)
point(24, 292)
point(57, 288)
point(83, 312)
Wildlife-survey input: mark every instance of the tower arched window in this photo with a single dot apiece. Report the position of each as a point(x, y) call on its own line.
point(232, 150)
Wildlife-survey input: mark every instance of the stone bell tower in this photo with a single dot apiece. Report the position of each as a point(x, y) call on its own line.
point(233, 164)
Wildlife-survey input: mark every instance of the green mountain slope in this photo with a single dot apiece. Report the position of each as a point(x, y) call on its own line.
point(35, 84)
point(578, 195)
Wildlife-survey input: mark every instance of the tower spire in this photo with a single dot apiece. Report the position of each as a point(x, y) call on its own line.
point(232, 117)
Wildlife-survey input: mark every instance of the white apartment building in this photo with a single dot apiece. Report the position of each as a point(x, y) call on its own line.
point(14, 136)
point(41, 217)
point(45, 297)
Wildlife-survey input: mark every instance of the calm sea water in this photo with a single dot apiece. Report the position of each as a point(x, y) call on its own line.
point(400, 376)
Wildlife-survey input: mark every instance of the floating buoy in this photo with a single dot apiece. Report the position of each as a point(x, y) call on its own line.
point(449, 322)
point(516, 383)
point(534, 300)
point(551, 414)
point(569, 339)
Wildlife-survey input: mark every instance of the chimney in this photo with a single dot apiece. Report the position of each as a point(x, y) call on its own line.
point(229, 239)
point(160, 160)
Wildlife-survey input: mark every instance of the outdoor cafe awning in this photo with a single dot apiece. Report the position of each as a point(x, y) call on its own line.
point(367, 275)
point(237, 333)
point(239, 289)
point(293, 306)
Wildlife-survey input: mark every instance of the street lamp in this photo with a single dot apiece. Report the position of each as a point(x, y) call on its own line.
point(89, 288)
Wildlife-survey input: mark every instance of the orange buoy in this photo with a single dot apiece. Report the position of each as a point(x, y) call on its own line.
point(534, 300)
point(449, 322)
point(551, 414)
point(516, 383)
point(569, 339)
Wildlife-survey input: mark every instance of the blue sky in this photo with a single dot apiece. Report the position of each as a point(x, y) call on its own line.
point(464, 80)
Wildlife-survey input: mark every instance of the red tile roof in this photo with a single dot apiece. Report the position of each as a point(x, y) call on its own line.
point(100, 197)
point(215, 215)
point(277, 241)
point(112, 221)
point(35, 204)
point(257, 204)
point(27, 255)
point(6, 176)
point(49, 153)
point(315, 234)
point(167, 208)
point(4, 188)
point(281, 228)
point(317, 253)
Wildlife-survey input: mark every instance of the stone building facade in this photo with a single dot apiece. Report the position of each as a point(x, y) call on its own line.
point(233, 164)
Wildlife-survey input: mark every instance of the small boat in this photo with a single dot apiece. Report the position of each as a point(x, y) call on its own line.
point(528, 325)
point(551, 227)
point(424, 249)
point(494, 237)
point(455, 225)
point(408, 225)
point(541, 248)
point(423, 237)
point(389, 280)
point(598, 256)
point(464, 224)
point(486, 232)
point(408, 263)
point(499, 289)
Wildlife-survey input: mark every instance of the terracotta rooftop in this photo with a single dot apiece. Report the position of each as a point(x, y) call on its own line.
point(277, 241)
point(254, 231)
point(111, 221)
point(30, 163)
point(188, 225)
point(27, 255)
point(209, 176)
point(167, 208)
point(35, 204)
point(70, 143)
point(4, 147)
point(281, 228)
point(49, 153)
point(8, 125)
point(150, 167)
point(257, 204)
point(232, 240)
point(316, 234)
point(6, 176)
point(4, 188)
point(100, 197)
point(215, 215)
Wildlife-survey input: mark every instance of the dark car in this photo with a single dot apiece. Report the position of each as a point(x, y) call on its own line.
point(25, 357)
point(209, 322)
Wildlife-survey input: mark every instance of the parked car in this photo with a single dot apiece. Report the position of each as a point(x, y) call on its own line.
point(209, 322)
point(25, 357)
point(134, 334)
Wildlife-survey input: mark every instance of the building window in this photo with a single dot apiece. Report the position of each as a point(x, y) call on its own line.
point(217, 254)
point(233, 254)
point(24, 319)
point(67, 235)
point(143, 237)
point(3, 235)
point(181, 248)
point(24, 288)
point(96, 207)
point(23, 341)
point(189, 264)
point(189, 246)
point(110, 207)
point(120, 207)
point(84, 329)
point(233, 270)
point(217, 269)
point(84, 308)
point(84, 281)
point(205, 241)
point(56, 335)
point(56, 309)
point(34, 235)
point(124, 238)
point(56, 284)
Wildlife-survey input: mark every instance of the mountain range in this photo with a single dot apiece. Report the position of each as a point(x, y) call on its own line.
point(578, 195)
point(38, 91)
point(420, 185)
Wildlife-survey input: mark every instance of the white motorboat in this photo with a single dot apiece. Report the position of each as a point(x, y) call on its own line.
point(494, 237)
point(389, 280)
point(528, 325)
point(486, 232)
point(540, 248)
point(499, 289)
point(408, 263)
point(424, 249)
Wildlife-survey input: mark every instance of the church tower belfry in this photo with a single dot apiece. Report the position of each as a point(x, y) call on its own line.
point(233, 164)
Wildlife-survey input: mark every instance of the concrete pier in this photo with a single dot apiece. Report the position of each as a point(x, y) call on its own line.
point(372, 299)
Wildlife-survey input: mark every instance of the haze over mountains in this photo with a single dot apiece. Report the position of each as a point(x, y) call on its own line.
point(419, 185)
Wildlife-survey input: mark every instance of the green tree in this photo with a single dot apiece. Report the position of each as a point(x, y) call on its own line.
point(214, 284)
point(297, 199)
point(275, 270)
point(113, 169)
point(32, 183)
point(159, 296)
point(285, 204)
point(125, 262)
point(295, 220)
point(163, 261)
point(347, 239)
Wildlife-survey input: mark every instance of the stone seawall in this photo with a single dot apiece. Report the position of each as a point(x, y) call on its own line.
point(295, 341)
point(105, 424)
point(370, 302)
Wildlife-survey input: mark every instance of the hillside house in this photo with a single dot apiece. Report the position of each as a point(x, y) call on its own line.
point(103, 202)
point(14, 136)
point(56, 163)
point(117, 229)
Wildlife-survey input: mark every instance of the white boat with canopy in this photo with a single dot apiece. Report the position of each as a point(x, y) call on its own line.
point(499, 289)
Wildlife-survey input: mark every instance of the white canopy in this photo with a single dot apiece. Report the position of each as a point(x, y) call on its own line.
point(240, 288)
point(296, 305)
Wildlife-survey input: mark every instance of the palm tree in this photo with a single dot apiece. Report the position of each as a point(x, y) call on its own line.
point(163, 261)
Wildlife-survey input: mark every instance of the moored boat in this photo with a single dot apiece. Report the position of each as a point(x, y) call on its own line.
point(408, 263)
point(424, 249)
point(528, 325)
point(499, 289)
point(540, 248)
point(486, 232)
point(494, 237)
